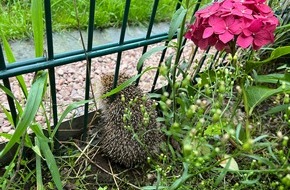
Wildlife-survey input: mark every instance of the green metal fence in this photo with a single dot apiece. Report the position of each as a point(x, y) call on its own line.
point(53, 60)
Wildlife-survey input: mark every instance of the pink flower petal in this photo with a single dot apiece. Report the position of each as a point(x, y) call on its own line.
point(208, 11)
point(207, 32)
point(203, 44)
point(219, 28)
point(263, 38)
point(212, 40)
point(220, 46)
point(263, 8)
point(188, 35)
point(247, 32)
point(236, 27)
point(226, 37)
point(229, 20)
point(214, 20)
point(256, 25)
point(244, 41)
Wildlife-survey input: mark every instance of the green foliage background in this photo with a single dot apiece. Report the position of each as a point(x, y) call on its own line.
point(15, 15)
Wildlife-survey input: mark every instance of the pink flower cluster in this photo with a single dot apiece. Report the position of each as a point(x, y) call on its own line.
point(244, 22)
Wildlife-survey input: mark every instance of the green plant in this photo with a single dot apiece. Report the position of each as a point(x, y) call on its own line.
point(42, 144)
point(214, 117)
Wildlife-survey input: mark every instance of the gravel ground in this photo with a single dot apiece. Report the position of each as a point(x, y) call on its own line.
point(70, 80)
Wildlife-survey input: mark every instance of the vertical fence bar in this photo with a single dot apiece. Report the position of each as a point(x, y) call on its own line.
point(183, 43)
point(50, 56)
point(2, 60)
point(7, 85)
point(152, 18)
point(88, 66)
point(11, 104)
point(121, 41)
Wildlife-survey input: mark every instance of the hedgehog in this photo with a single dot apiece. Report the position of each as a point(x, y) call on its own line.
point(130, 132)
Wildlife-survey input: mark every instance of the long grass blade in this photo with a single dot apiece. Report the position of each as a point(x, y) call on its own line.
point(51, 163)
point(9, 93)
point(66, 111)
point(126, 83)
point(11, 59)
point(182, 179)
point(148, 54)
point(37, 26)
point(7, 113)
point(30, 110)
point(39, 182)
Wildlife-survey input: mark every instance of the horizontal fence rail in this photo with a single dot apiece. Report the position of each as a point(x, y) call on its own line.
point(36, 64)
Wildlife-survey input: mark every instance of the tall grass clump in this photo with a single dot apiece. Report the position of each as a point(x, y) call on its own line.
point(15, 16)
point(38, 143)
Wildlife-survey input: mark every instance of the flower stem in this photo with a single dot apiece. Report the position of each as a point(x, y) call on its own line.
point(180, 40)
point(241, 82)
point(245, 101)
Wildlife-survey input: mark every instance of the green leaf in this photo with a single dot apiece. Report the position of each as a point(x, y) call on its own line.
point(51, 163)
point(9, 93)
point(277, 109)
point(38, 131)
point(273, 78)
point(259, 138)
point(240, 134)
point(8, 171)
point(251, 182)
point(256, 94)
point(182, 68)
point(222, 174)
point(272, 154)
point(266, 161)
point(39, 182)
point(37, 26)
point(43, 145)
point(182, 179)
point(148, 54)
point(33, 101)
point(126, 83)
point(11, 59)
point(176, 21)
point(66, 111)
point(168, 61)
point(8, 114)
point(153, 187)
point(278, 52)
point(121, 86)
point(36, 148)
point(154, 95)
point(6, 135)
point(8, 50)
point(209, 77)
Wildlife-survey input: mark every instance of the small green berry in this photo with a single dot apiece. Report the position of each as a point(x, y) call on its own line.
point(187, 149)
point(247, 146)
